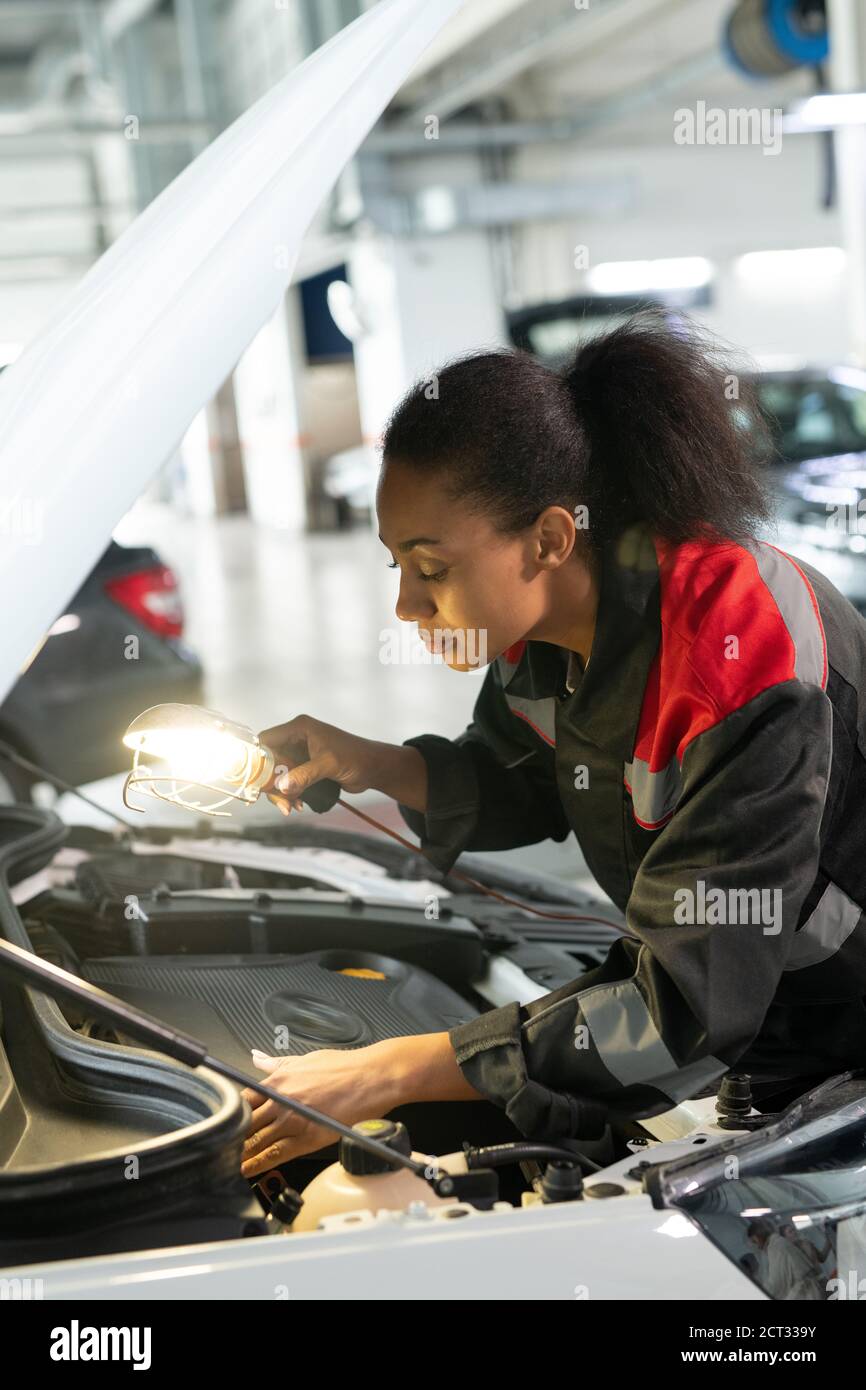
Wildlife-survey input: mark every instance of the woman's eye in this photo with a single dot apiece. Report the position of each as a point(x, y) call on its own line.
point(429, 578)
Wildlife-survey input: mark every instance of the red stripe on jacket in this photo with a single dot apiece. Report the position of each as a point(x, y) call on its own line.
point(710, 593)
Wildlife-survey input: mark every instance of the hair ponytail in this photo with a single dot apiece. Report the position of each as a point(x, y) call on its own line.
point(639, 426)
point(657, 406)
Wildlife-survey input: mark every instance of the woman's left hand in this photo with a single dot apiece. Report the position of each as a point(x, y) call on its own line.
point(352, 1085)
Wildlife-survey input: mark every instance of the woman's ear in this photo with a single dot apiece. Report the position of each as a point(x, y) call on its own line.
point(554, 536)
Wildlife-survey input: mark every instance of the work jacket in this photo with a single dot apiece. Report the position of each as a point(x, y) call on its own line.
point(710, 761)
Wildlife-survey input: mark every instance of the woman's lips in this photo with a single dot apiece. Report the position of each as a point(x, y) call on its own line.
point(437, 640)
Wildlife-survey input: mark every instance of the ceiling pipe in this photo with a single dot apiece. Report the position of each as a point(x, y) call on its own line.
point(398, 139)
point(541, 30)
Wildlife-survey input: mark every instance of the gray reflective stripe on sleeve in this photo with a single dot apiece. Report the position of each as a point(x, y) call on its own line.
point(826, 930)
point(798, 606)
point(540, 715)
point(653, 794)
point(631, 1047)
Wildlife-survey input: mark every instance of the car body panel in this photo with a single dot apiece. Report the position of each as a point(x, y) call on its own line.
point(579, 1251)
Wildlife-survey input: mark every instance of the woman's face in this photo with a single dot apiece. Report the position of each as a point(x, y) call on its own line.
point(471, 590)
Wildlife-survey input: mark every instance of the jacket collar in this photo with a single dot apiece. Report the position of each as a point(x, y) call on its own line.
point(624, 644)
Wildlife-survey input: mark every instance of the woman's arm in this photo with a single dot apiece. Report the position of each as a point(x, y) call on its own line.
point(680, 1001)
point(493, 787)
point(307, 750)
point(357, 1084)
point(401, 772)
point(425, 1068)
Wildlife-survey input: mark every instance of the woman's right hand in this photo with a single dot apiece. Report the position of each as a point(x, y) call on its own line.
point(306, 751)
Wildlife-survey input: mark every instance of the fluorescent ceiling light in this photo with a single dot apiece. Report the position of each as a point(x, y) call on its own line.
point(765, 268)
point(676, 273)
point(848, 376)
point(437, 208)
point(826, 111)
point(780, 362)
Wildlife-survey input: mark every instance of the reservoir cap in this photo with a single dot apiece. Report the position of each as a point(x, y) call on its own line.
point(360, 1161)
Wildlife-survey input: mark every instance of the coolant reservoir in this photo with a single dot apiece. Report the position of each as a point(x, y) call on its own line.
point(361, 1181)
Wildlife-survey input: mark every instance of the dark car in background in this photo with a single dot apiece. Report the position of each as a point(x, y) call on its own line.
point(552, 330)
point(816, 418)
point(116, 649)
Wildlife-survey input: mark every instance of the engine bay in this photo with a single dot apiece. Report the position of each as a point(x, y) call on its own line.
point(282, 942)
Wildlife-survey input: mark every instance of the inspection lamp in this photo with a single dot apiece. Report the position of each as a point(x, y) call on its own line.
point(198, 759)
point(181, 751)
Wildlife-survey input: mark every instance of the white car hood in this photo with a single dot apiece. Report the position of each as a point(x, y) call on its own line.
point(96, 404)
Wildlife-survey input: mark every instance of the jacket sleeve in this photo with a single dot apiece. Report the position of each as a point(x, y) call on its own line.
point(679, 1000)
point(492, 787)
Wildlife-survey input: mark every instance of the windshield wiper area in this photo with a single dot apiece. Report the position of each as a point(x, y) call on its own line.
point(787, 1204)
point(825, 1129)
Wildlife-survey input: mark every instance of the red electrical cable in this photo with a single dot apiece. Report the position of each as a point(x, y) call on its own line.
point(466, 878)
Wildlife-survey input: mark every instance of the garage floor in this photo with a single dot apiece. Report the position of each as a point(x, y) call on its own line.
point(288, 625)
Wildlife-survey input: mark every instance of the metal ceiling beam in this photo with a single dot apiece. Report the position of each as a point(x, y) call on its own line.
point(532, 34)
point(120, 15)
point(157, 130)
point(19, 269)
point(37, 9)
point(397, 139)
point(26, 211)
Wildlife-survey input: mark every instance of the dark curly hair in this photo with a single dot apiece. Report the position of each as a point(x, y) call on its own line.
point(640, 425)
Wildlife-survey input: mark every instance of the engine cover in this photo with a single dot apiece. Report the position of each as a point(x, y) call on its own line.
point(283, 1004)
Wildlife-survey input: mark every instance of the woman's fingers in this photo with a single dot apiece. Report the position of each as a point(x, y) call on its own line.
point(286, 1125)
point(284, 805)
point(280, 1148)
point(254, 1099)
point(263, 1061)
point(265, 1115)
point(265, 1110)
point(294, 730)
point(270, 1158)
point(292, 781)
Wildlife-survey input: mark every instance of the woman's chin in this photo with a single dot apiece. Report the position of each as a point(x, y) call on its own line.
point(472, 667)
point(461, 649)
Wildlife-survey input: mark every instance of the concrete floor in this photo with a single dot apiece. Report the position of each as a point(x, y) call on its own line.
point(289, 625)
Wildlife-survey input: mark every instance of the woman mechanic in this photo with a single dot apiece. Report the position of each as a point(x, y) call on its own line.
point(683, 696)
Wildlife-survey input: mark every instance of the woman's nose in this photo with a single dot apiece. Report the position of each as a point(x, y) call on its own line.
point(413, 604)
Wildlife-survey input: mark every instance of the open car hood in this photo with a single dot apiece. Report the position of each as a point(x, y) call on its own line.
point(96, 404)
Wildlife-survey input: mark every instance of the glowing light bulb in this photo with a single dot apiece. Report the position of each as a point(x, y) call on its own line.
point(181, 749)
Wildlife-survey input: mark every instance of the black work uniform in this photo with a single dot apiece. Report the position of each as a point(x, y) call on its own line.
point(710, 760)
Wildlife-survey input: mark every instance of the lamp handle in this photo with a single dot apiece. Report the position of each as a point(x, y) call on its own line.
point(322, 795)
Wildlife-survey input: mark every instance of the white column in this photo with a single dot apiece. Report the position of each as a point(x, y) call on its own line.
point(198, 492)
point(266, 397)
point(848, 74)
point(422, 301)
